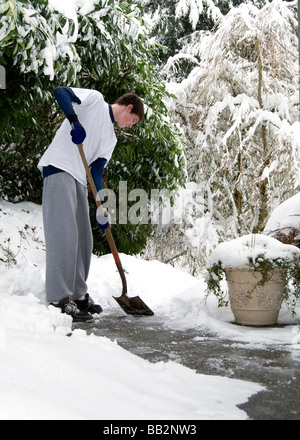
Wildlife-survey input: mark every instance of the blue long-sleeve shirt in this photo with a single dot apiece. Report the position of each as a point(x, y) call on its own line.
point(65, 97)
point(97, 169)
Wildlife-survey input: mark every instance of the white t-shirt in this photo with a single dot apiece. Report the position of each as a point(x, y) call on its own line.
point(93, 114)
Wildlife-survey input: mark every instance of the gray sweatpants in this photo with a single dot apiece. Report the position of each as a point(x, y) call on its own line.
point(68, 236)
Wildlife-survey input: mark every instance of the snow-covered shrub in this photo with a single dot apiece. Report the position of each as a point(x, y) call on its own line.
point(284, 222)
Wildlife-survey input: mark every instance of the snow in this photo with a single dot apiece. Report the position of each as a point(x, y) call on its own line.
point(196, 9)
point(47, 375)
point(285, 217)
point(238, 251)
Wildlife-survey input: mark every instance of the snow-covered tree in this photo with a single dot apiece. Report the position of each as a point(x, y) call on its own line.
point(178, 26)
point(239, 109)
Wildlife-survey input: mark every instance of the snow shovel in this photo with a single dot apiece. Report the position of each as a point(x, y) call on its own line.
point(131, 306)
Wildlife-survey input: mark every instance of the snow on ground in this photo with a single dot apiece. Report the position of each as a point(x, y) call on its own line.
point(46, 375)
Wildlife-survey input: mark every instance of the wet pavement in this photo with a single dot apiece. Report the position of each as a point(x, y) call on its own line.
point(276, 367)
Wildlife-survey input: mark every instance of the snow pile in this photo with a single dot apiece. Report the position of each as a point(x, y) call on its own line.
point(51, 376)
point(87, 377)
point(238, 251)
point(285, 218)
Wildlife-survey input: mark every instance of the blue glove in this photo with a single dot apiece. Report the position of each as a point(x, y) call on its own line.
point(102, 220)
point(78, 133)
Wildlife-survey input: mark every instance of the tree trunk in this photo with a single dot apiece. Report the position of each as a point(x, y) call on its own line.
point(262, 183)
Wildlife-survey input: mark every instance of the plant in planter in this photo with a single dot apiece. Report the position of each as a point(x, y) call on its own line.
point(261, 272)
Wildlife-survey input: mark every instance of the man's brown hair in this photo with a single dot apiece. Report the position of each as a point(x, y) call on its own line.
point(135, 100)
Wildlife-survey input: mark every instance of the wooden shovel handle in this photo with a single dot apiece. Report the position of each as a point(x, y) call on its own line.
point(108, 233)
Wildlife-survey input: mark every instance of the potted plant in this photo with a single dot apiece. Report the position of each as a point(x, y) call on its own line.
point(260, 272)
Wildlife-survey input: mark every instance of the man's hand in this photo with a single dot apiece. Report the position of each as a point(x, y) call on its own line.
point(103, 219)
point(78, 133)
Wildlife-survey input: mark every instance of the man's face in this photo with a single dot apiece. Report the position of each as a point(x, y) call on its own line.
point(127, 119)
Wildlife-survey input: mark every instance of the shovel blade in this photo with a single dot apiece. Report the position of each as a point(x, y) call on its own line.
point(133, 306)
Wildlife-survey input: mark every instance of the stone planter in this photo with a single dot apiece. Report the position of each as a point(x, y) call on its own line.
point(252, 304)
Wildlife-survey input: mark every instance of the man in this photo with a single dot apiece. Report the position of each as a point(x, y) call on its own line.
point(67, 226)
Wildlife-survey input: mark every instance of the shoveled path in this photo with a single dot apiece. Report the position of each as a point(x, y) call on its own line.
point(275, 367)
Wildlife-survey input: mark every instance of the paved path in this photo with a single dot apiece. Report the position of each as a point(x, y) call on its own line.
point(275, 367)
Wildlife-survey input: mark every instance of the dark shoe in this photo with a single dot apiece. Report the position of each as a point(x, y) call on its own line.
point(70, 308)
point(87, 305)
